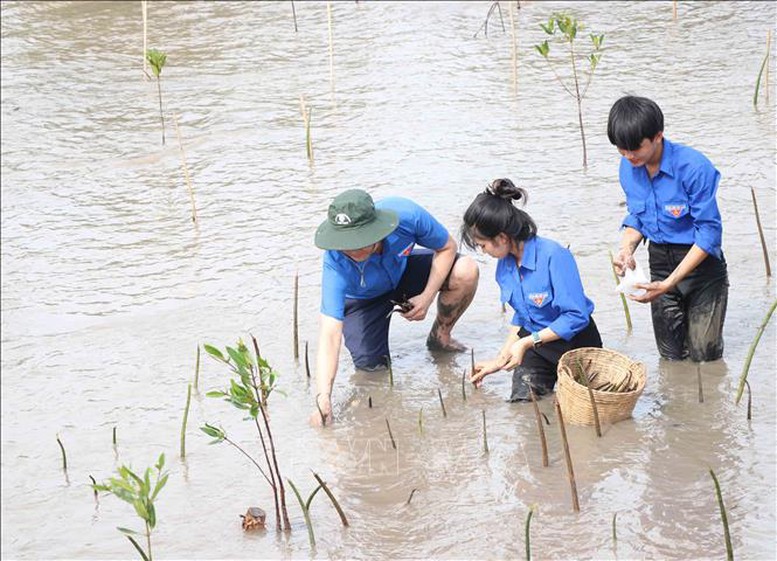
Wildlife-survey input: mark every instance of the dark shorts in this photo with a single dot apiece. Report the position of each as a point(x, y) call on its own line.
point(688, 320)
point(366, 325)
point(539, 366)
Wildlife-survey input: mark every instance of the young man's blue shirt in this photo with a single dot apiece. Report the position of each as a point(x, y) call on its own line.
point(546, 290)
point(678, 204)
point(343, 277)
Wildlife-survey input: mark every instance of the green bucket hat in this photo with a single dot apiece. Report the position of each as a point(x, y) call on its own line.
point(353, 222)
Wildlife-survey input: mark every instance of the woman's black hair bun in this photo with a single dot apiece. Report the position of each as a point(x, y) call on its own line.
point(506, 189)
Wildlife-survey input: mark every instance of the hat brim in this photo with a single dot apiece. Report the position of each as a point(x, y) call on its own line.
point(329, 237)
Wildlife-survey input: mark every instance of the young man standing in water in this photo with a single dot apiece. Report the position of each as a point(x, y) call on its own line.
point(670, 194)
point(371, 265)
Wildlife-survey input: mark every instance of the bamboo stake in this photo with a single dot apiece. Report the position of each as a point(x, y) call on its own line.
point(698, 380)
point(724, 518)
point(761, 234)
point(391, 436)
point(197, 371)
point(64, 456)
point(751, 351)
point(623, 296)
point(540, 428)
point(185, 419)
point(568, 457)
point(674, 10)
point(144, 11)
point(442, 403)
point(295, 316)
point(185, 168)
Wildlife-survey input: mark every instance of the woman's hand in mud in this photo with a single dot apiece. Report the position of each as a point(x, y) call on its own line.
point(654, 290)
point(483, 369)
point(517, 351)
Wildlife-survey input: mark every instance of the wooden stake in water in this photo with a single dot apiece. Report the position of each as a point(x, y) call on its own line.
point(698, 380)
point(485, 434)
point(295, 315)
point(724, 518)
point(540, 428)
point(197, 371)
point(761, 234)
point(442, 403)
point(753, 345)
point(185, 168)
point(568, 457)
point(391, 436)
point(64, 456)
point(185, 419)
point(623, 296)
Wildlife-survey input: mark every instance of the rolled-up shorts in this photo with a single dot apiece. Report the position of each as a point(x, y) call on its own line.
point(367, 321)
point(688, 320)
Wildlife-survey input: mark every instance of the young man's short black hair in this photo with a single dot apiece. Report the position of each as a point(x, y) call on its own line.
point(632, 119)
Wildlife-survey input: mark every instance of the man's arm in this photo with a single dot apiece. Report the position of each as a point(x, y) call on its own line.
point(329, 341)
point(442, 261)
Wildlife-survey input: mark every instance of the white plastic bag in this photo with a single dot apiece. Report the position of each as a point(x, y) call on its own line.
point(632, 277)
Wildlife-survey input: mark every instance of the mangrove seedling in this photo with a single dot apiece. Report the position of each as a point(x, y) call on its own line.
point(464, 385)
point(698, 380)
point(567, 27)
point(749, 402)
point(157, 60)
point(410, 498)
point(114, 436)
point(528, 531)
point(390, 371)
point(761, 234)
point(568, 457)
point(442, 403)
point(295, 317)
point(391, 435)
point(540, 428)
point(306, 120)
point(724, 518)
point(764, 66)
point(305, 506)
point(332, 498)
point(623, 296)
point(421, 421)
point(614, 532)
point(369, 402)
point(64, 455)
point(751, 351)
point(307, 361)
point(485, 434)
point(185, 167)
point(197, 371)
point(584, 375)
point(249, 389)
point(141, 494)
point(185, 419)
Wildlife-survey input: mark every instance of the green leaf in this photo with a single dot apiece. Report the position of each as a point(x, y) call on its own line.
point(214, 352)
point(140, 508)
point(237, 357)
point(543, 48)
point(214, 432)
point(140, 549)
point(549, 28)
point(159, 485)
point(161, 462)
point(127, 531)
point(151, 515)
point(216, 393)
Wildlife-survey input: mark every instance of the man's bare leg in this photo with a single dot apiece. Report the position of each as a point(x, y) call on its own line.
point(452, 303)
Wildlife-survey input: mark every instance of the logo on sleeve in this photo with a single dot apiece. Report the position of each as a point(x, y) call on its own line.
point(407, 251)
point(538, 297)
point(674, 210)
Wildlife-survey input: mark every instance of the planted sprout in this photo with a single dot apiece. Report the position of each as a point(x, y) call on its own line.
point(484, 25)
point(761, 234)
point(749, 402)
point(764, 66)
point(157, 60)
point(623, 296)
point(332, 498)
point(485, 434)
point(197, 371)
point(540, 428)
point(391, 436)
point(249, 390)
point(568, 26)
point(698, 381)
point(751, 351)
point(294, 14)
point(528, 532)
point(724, 518)
point(94, 482)
point(464, 385)
point(568, 457)
point(305, 506)
point(410, 498)
point(185, 419)
point(390, 371)
point(138, 491)
point(307, 361)
point(614, 533)
point(64, 455)
point(472, 360)
point(114, 436)
point(442, 403)
point(185, 169)
point(306, 120)
point(421, 421)
point(295, 315)
point(369, 402)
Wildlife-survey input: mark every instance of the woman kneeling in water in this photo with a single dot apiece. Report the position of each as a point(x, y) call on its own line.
point(540, 281)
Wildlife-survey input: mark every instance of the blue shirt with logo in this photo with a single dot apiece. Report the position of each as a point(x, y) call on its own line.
point(343, 277)
point(678, 204)
point(545, 290)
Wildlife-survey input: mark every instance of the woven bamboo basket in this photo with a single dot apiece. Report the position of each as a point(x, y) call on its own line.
point(609, 366)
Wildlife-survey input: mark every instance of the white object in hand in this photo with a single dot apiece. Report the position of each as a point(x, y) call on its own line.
point(632, 277)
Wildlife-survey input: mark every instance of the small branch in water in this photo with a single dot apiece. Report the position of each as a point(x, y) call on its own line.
point(197, 371)
point(570, 469)
point(390, 371)
point(410, 498)
point(485, 434)
point(749, 402)
point(540, 429)
point(185, 419)
point(421, 421)
point(442, 403)
point(761, 232)
point(391, 436)
point(724, 518)
point(698, 380)
point(295, 316)
point(464, 385)
point(332, 498)
point(528, 532)
point(64, 456)
point(307, 361)
point(369, 402)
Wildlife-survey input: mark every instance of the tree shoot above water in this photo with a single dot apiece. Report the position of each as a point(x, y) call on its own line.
point(157, 60)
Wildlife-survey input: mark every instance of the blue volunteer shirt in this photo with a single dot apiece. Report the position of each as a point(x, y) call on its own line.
point(678, 205)
point(546, 290)
point(343, 277)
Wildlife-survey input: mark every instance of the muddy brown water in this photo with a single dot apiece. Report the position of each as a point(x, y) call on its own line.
point(108, 287)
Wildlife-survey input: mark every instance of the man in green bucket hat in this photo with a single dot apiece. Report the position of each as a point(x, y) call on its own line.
point(371, 265)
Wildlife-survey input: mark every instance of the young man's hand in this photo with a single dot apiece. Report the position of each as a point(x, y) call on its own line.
point(624, 259)
point(325, 407)
point(421, 304)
